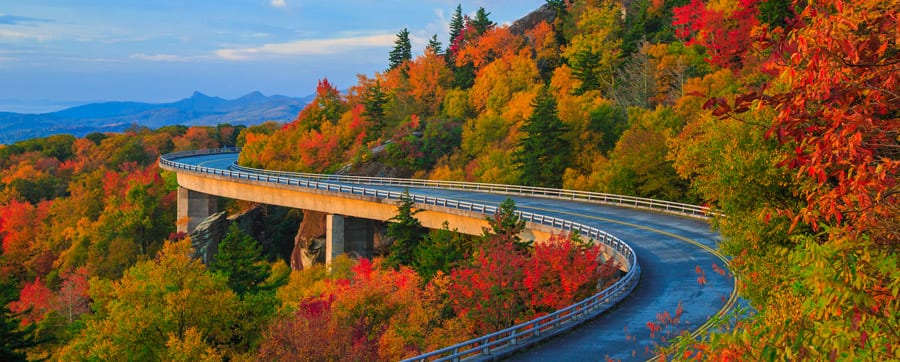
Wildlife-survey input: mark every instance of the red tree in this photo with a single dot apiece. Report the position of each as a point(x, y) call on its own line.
point(35, 300)
point(560, 273)
point(726, 36)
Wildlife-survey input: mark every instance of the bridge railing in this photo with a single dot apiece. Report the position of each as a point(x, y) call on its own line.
point(595, 197)
point(696, 211)
point(507, 339)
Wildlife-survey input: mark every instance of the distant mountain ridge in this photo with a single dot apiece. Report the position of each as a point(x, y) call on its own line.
point(200, 109)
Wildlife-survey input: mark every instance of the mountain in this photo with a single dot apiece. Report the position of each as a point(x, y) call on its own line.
point(199, 109)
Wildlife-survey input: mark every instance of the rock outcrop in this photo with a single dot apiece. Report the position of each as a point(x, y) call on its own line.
point(543, 13)
point(309, 244)
point(206, 237)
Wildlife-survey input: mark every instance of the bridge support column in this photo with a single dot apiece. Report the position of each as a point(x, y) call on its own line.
point(351, 235)
point(196, 207)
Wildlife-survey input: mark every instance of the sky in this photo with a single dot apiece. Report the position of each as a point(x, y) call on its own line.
point(60, 53)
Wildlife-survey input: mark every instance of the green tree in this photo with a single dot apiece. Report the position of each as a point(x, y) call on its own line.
point(441, 250)
point(402, 51)
point(505, 226)
point(608, 121)
point(406, 231)
point(14, 338)
point(374, 101)
point(434, 45)
point(542, 154)
point(241, 260)
point(456, 25)
point(481, 23)
point(97, 137)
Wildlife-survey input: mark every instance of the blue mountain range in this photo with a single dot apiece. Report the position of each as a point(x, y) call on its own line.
point(198, 110)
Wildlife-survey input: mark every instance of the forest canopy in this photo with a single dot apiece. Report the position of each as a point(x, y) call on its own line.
point(783, 115)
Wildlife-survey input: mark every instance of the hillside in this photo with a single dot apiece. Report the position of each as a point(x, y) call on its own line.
point(781, 115)
point(197, 110)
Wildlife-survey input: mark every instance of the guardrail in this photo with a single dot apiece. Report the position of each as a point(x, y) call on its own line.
point(683, 209)
point(507, 339)
point(587, 196)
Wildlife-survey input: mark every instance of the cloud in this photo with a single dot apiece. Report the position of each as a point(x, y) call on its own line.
point(6, 19)
point(309, 47)
point(167, 57)
point(18, 35)
point(278, 3)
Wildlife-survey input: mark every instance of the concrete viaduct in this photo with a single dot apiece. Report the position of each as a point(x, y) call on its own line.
point(669, 248)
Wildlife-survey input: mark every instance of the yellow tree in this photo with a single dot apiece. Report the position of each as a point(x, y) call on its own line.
point(498, 81)
point(595, 50)
point(158, 308)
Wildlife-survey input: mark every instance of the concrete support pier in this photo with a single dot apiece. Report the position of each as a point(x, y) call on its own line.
point(196, 207)
point(351, 235)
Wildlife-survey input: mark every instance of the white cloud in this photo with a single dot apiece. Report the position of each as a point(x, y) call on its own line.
point(166, 57)
point(278, 3)
point(309, 47)
point(19, 35)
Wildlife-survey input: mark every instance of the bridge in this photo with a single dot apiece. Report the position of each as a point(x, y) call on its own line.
point(670, 263)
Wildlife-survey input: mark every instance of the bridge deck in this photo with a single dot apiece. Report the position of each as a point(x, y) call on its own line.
point(669, 249)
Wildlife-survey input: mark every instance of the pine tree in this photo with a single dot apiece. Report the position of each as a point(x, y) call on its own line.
point(584, 68)
point(505, 227)
point(481, 23)
point(441, 250)
point(240, 258)
point(456, 24)
point(402, 51)
point(13, 338)
point(542, 155)
point(374, 101)
point(434, 45)
point(406, 231)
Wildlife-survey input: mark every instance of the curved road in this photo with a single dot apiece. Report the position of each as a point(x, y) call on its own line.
point(678, 268)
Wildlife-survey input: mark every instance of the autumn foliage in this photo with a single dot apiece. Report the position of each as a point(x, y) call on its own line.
point(382, 313)
point(782, 115)
point(819, 130)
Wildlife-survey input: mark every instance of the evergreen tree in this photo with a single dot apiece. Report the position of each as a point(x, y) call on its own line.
point(542, 155)
point(456, 24)
point(441, 250)
point(464, 76)
point(481, 23)
point(406, 231)
point(506, 226)
point(374, 102)
point(402, 51)
point(240, 258)
point(13, 338)
point(584, 68)
point(434, 45)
